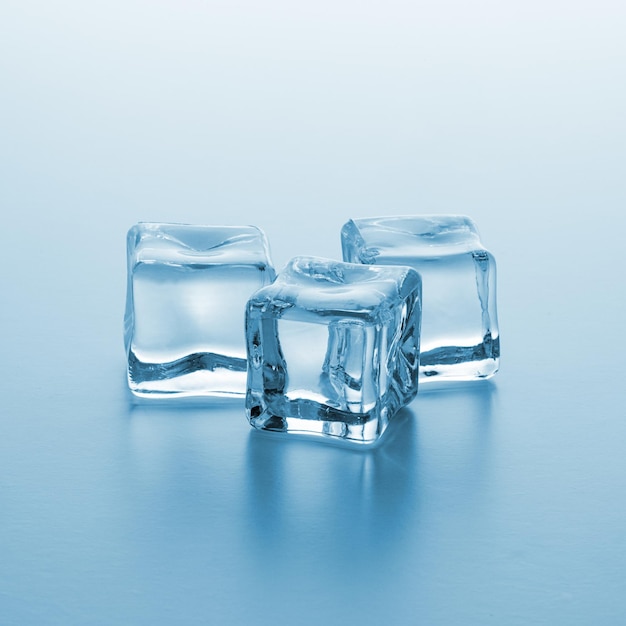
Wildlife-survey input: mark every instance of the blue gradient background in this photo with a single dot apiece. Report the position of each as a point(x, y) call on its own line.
point(501, 503)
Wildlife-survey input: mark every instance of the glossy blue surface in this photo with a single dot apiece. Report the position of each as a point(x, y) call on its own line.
point(500, 503)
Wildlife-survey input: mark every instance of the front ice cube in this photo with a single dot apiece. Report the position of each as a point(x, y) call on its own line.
point(333, 349)
point(185, 309)
point(460, 338)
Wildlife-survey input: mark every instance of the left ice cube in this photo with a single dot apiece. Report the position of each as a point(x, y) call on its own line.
point(185, 307)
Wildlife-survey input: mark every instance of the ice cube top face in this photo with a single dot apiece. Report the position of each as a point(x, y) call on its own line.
point(333, 349)
point(188, 287)
point(460, 338)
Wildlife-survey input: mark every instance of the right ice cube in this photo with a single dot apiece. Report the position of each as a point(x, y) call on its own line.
point(460, 338)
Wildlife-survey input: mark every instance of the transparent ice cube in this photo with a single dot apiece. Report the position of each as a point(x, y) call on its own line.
point(333, 348)
point(460, 338)
point(185, 309)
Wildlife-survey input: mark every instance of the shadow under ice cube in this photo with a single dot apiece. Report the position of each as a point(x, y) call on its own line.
point(460, 337)
point(333, 348)
point(185, 308)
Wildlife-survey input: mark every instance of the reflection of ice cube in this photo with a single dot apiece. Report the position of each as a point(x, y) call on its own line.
point(460, 338)
point(333, 348)
point(187, 291)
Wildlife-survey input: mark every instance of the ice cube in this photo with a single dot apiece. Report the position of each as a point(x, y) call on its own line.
point(185, 309)
point(333, 348)
point(460, 338)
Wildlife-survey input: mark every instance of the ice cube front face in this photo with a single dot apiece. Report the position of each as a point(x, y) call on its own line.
point(460, 338)
point(333, 349)
point(185, 308)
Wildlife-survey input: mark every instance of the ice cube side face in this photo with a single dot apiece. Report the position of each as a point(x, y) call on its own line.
point(333, 349)
point(460, 337)
point(188, 286)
